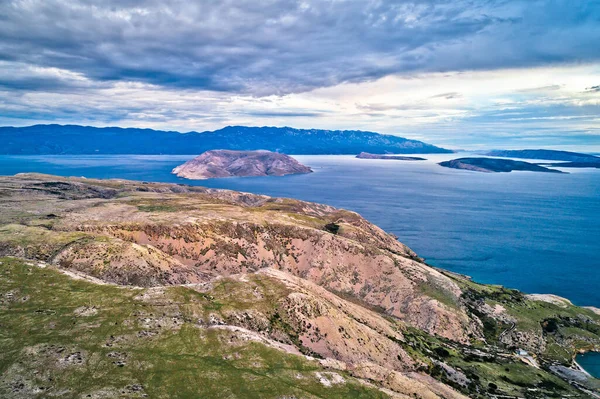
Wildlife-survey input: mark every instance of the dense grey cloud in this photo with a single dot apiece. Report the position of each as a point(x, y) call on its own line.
point(281, 46)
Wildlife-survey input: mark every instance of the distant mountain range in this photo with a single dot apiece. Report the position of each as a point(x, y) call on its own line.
point(74, 139)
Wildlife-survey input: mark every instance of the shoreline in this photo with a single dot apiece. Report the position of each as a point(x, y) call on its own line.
point(579, 367)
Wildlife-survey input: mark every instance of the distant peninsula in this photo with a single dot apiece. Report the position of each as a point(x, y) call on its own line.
point(490, 165)
point(367, 155)
point(227, 163)
point(551, 155)
point(574, 165)
point(78, 140)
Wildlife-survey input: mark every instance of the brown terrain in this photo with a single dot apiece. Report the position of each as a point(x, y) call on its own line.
point(228, 163)
point(338, 287)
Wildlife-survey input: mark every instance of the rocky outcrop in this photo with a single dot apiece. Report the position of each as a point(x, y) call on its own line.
point(227, 163)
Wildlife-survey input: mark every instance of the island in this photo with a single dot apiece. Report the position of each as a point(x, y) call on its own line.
point(595, 165)
point(490, 165)
point(551, 155)
point(367, 155)
point(228, 163)
point(573, 164)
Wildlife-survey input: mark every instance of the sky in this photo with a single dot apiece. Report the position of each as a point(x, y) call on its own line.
point(463, 73)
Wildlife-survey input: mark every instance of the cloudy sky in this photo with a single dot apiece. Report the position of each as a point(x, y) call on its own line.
point(459, 73)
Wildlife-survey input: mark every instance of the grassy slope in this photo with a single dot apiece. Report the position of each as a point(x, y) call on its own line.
point(49, 348)
point(575, 328)
point(489, 374)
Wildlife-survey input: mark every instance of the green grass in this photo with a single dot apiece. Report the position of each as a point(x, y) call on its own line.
point(509, 375)
point(517, 378)
point(259, 293)
point(574, 332)
point(438, 293)
point(167, 204)
point(574, 328)
point(39, 327)
point(157, 208)
point(35, 242)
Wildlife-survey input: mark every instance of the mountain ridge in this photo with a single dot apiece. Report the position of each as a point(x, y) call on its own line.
point(77, 139)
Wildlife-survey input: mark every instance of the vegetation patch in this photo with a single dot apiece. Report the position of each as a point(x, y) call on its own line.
point(435, 291)
point(51, 348)
point(333, 228)
point(34, 242)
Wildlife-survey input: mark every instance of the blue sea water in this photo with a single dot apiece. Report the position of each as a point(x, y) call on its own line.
point(590, 361)
point(537, 232)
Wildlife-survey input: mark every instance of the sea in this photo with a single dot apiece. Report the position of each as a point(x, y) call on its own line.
point(590, 362)
point(536, 232)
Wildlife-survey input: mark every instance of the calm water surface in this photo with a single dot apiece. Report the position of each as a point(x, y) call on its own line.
point(536, 232)
point(590, 362)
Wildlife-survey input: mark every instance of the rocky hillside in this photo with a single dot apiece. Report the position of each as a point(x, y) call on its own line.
point(276, 297)
point(226, 163)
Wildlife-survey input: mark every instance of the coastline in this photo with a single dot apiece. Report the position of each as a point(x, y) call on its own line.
point(468, 206)
point(578, 366)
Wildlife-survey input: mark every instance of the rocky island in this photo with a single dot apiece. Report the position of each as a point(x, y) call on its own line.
point(135, 287)
point(595, 165)
point(228, 163)
point(490, 165)
point(551, 155)
point(366, 155)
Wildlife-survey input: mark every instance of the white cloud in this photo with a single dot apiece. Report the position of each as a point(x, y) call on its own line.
point(443, 108)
